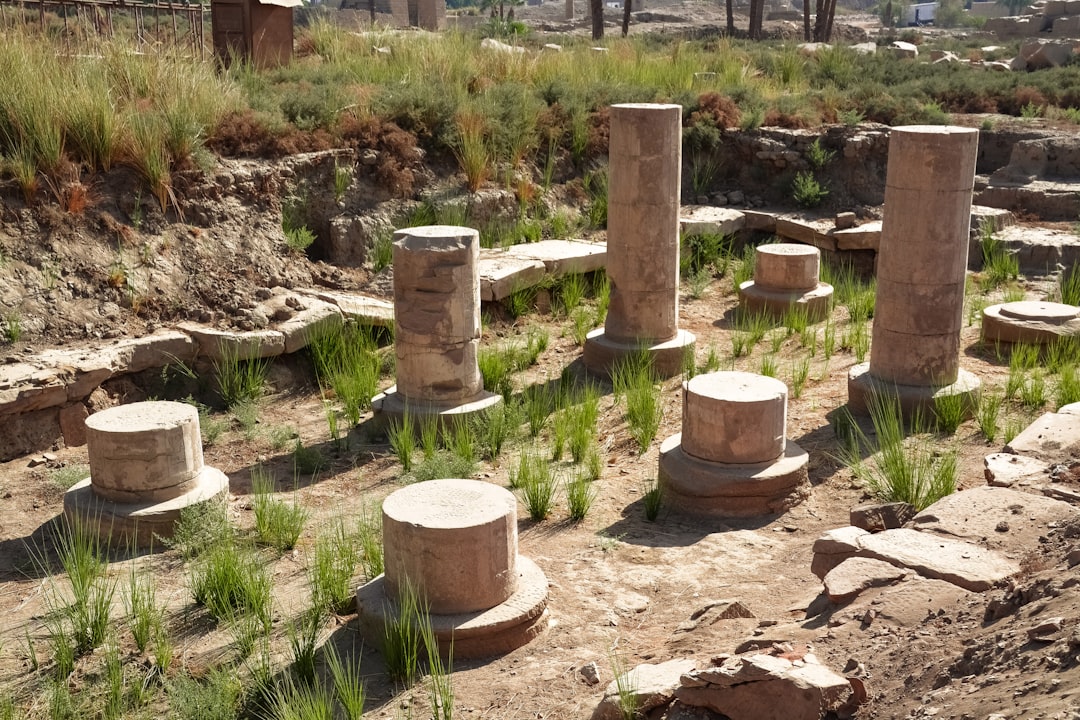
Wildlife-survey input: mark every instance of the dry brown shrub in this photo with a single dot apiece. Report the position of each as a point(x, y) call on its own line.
point(244, 134)
point(399, 151)
point(777, 118)
point(599, 132)
point(716, 109)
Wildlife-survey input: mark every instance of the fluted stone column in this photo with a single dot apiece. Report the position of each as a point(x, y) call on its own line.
point(645, 164)
point(436, 324)
point(921, 270)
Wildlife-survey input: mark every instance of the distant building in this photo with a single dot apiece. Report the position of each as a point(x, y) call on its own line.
point(256, 31)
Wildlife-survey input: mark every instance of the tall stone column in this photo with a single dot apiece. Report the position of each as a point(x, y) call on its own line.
point(436, 324)
point(921, 269)
point(645, 165)
point(570, 9)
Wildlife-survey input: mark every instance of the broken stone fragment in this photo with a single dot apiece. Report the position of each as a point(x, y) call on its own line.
point(875, 517)
point(834, 547)
point(845, 581)
point(651, 686)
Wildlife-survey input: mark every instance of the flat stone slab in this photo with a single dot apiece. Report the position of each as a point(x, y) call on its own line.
point(710, 220)
point(845, 581)
point(1030, 322)
point(906, 604)
point(316, 317)
point(364, 309)
point(1040, 250)
point(1008, 470)
point(834, 547)
point(960, 563)
point(1053, 437)
point(811, 232)
point(502, 273)
point(999, 218)
point(215, 344)
point(759, 220)
point(562, 257)
point(864, 237)
point(651, 686)
point(1008, 521)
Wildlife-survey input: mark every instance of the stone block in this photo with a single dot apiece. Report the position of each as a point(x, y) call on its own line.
point(651, 685)
point(961, 563)
point(710, 220)
point(864, 237)
point(73, 424)
point(1052, 437)
point(562, 257)
point(502, 273)
point(1008, 470)
point(834, 547)
point(875, 517)
point(845, 581)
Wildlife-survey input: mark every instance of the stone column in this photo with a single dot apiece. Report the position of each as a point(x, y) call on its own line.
point(455, 543)
point(786, 277)
point(921, 268)
point(146, 466)
point(645, 165)
point(570, 9)
point(436, 323)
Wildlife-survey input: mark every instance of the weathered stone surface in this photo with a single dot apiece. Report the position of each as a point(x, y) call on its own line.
point(652, 686)
point(759, 221)
point(845, 581)
point(1029, 322)
point(834, 547)
point(903, 49)
point(317, 316)
point(713, 612)
point(734, 417)
point(501, 273)
point(905, 604)
point(363, 309)
point(561, 257)
point(762, 687)
point(863, 237)
point(811, 232)
point(1053, 437)
point(500, 47)
point(968, 566)
point(215, 344)
point(787, 266)
point(875, 517)
point(73, 424)
point(710, 220)
point(1041, 54)
point(1008, 521)
point(1007, 470)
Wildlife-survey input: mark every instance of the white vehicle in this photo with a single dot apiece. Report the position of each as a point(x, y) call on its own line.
point(920, 14)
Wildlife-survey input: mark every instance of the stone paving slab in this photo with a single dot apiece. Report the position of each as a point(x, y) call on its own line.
point(710, 220)
point(1053, 437)
point(960, 563)
point(365, 309)
point(562, 257)
point(864, 237)
point(810, 232)
point(1008, 521)
point(1009, 470)
point(1040, 250)
point(845, 581)
point(501, 274)
point(215, 344)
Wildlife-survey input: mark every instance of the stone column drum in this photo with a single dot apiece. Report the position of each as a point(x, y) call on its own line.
point(786, 277)
point(455, 543)
point(436, 325)
point(146, 465)
point(733, 458)
point(645, 165)
point(921, 268)
point(1030, 321)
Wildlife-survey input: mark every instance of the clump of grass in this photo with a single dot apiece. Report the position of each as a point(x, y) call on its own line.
point(65, 477)
point(347, 362)
point(652, 499)
point(403, 441)
point(215, 697)
point(635, 379)
point(950, 409)
point(303, 641)
point(901, 470)
point(570, 292)
point(307, 460)
point(1068, 386)
point(800, 371)
point(140, 604)
point(1033, 392)
point(538, 403)
point(348, 684)
point(999, 265)
point(987, 414)
point(402, 637)
point(538, 494)
point(239, 380)
point(334, 559)
point(443, 464)
point(1069, 285)
point(580, 494)
point(231, 578)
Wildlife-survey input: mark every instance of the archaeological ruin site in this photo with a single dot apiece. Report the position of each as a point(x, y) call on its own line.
point(667, 361)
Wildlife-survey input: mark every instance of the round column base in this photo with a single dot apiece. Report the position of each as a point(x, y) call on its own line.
point(139, 522)
point(495, 631)
point(700, 487)
point(601, 353)
point(913, 399)
point(391, 406)
point(1029, 322)
point(777, 303)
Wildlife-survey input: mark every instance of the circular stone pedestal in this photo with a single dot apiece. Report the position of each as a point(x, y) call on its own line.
point(912, 398)
point(146, 465)
point(732, 458)
point(1030, 322)
point(391, 406)
point(777, 303)
point(602, 352)
point(455, 542)
point(701, 487)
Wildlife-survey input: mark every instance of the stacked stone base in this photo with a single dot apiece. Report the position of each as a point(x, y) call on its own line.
point(913, 399)
point(391, 406)
point(777, 303)
point(601, 353)
point(702, 487)
point(1034, 323)
point(141, 523)
point(505, 627)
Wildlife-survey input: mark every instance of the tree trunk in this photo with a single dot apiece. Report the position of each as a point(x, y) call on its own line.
point(829, 22)
point(757, 14)
point(597, 9)
point(806, 20)
point(627, 8)
point(371, 9)
point(730, 18)
point(819, 21)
